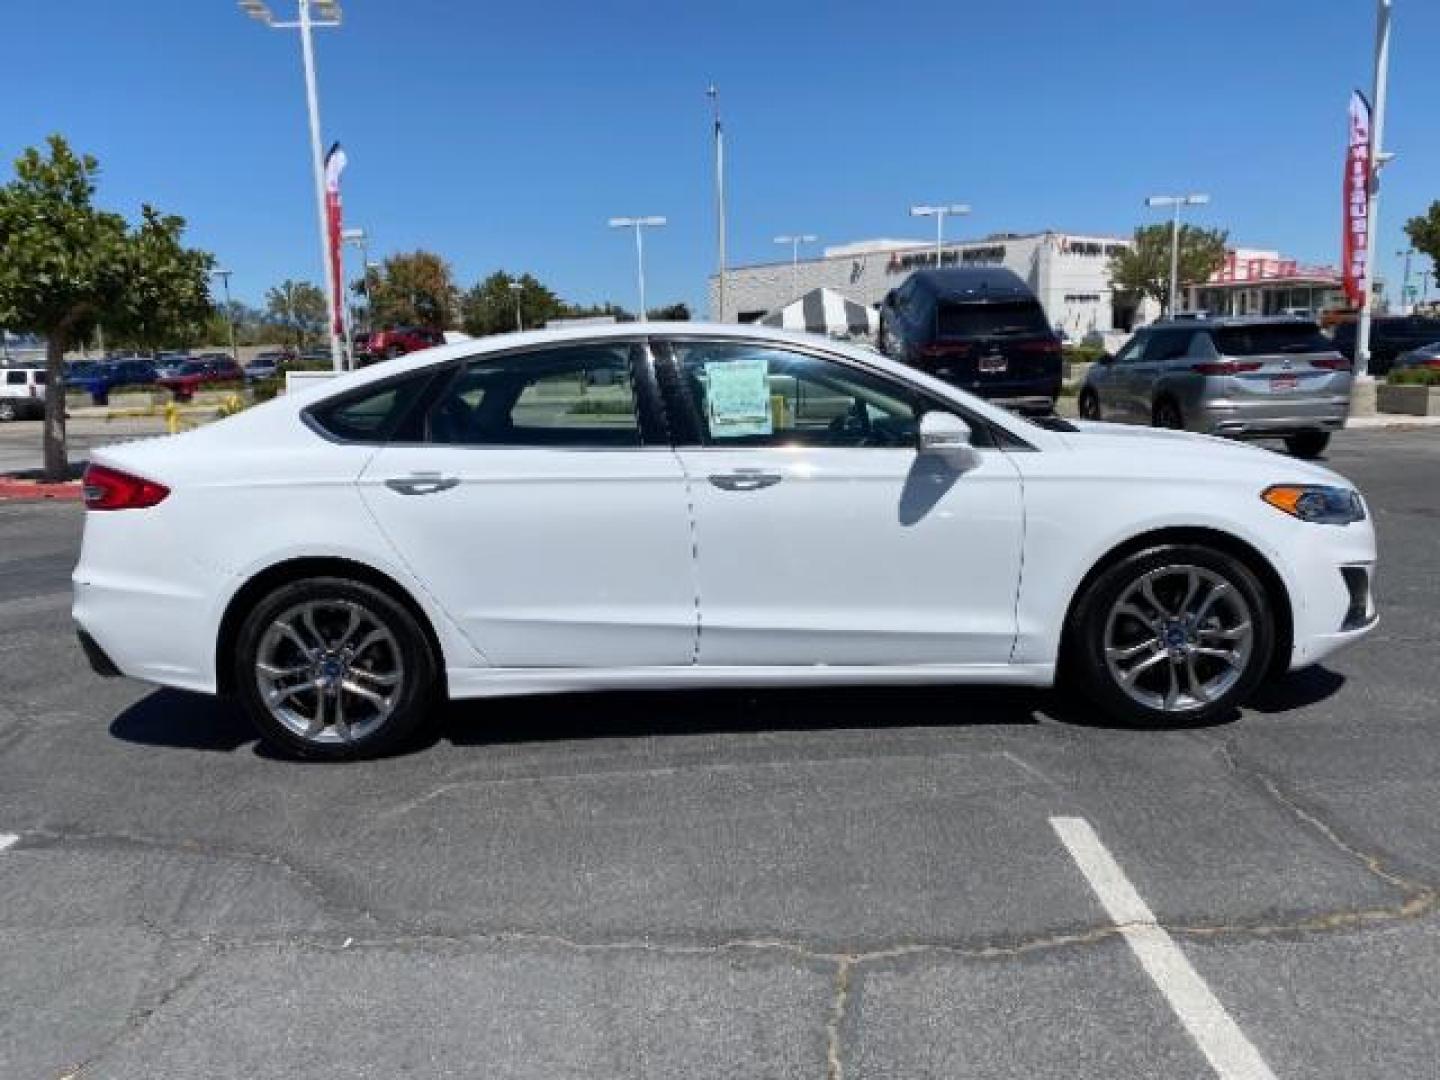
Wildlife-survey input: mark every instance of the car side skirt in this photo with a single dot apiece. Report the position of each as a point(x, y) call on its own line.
point(505, 682)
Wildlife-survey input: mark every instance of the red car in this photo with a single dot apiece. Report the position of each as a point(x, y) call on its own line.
point(194, 374)
point(399, 340)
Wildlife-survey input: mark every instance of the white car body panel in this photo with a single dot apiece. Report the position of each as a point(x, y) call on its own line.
point(629, 569)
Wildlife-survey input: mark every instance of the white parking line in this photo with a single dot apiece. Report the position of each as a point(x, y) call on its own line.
point(6, 839)
point(1220, 1039)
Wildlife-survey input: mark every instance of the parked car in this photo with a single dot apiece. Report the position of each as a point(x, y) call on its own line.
point(979, 329)
point(105, 377)
point(1427, 356)
point(168, 363)
point(827, 515)
point(402, 340)
point(1249, 378)
point(22, 393)
point(1390, 335)
point(77, 371)
point(266, 365)
point(195, 374)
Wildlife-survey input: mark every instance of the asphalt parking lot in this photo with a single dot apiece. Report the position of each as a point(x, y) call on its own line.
point(882, 884)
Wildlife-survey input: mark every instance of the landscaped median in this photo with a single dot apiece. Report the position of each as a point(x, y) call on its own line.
point(1410, 392)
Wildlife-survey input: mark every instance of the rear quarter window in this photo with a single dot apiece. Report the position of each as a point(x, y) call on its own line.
point(1271, 339)
point(373, 414)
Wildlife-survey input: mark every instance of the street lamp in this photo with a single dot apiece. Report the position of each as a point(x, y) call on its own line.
point(1175, 202)
point(357, 238)
point(639, 224)
point(224, 276)
point(1405, 282)
point(516, 288)
point(714, 95)
point(939, 213)
point(329, 12)
point(795, 241)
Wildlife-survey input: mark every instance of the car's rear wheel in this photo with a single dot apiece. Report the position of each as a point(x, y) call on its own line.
point(1089, 405)
point(1167, 414)
point(333, 668)
point(1174, 635)
point(1308, 444)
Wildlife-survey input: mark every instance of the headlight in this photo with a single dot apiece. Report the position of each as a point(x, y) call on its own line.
point(1316, 503)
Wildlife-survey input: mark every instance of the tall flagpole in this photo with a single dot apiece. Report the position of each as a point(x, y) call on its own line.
point(714, 96)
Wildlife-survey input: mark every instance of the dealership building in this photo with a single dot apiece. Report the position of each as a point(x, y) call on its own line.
point(1069, 272)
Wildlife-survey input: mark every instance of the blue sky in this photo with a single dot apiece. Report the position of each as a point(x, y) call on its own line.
point(504, 135)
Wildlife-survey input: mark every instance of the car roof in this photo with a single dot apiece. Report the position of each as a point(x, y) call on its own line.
point(1224, 321)
point(972, 283)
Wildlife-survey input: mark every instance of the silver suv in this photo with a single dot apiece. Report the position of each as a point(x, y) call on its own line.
point(1248, 378)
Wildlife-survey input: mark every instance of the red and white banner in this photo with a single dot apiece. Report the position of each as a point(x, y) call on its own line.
point(335, 162)
point(1353, 244)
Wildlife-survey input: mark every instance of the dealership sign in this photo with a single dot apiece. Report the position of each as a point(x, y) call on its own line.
point(1353, 245)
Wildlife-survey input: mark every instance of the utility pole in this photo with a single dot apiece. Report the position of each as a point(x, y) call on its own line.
point(224, 276)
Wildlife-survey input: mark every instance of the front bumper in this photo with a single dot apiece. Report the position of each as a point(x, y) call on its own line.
point(100, 662)
point(1332, 588)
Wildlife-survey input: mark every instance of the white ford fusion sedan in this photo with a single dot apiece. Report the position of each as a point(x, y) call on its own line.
point(673, 505)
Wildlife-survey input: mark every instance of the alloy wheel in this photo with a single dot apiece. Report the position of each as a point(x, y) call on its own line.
point(1178, 638)
point(329, 671)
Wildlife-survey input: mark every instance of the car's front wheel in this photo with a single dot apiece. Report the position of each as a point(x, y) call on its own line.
point(1173, 635)
point(334, 668)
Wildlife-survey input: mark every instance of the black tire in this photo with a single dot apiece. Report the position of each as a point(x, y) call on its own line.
point(1308, 444)
point(1084, 657)
point(394, 352)
point(412, 655)
point(1089, 405)
point(1166, 414)
point(8, 410)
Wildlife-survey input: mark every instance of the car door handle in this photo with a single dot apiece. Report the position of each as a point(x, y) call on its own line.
point(745, 480)
point(422, 483)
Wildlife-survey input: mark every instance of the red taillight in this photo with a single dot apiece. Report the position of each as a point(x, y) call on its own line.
point(111, 489)
point(1050, 348)
point(1226, 367)
point(1330, 363)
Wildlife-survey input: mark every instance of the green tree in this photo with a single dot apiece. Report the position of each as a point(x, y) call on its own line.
point(1144, 270)
point(63, 264)
point(671, 313)
point(167, 286)
point(299, 306)
point(597, 311)
point(413, 289)
point(489, 307)
point(1424, 233)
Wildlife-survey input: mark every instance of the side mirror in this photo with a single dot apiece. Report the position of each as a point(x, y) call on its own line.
point(946, 436)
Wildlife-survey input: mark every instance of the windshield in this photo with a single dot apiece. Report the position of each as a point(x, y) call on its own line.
point(1268, 339)
point(1005, 319)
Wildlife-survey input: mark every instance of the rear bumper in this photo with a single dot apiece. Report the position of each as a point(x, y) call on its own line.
point(1229, 417)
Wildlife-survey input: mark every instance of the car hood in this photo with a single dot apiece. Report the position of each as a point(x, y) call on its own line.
point(1186, 453)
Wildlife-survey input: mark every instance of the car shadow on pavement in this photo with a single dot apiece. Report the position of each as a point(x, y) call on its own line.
point(1296, 690)
point(183, 721)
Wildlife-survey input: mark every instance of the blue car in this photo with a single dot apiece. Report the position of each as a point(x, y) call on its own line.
point(103, 378)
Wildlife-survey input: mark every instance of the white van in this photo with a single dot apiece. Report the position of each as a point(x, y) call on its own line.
point(22, 393)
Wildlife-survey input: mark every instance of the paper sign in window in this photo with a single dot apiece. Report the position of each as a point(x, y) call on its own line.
point(738, 397)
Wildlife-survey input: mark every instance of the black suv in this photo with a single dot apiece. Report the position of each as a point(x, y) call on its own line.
point(1390, 335)
point(979, 328)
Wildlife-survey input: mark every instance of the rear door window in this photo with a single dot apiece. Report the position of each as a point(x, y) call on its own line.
point(1270, 339)
point(1004, 319)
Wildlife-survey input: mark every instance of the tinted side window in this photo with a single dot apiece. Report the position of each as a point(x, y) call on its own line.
point(15, 378)
point(580, 396)
point(1169, 345)
point(1263, 339)
point(1134, 350)
point(371, 415)
point(757, 395)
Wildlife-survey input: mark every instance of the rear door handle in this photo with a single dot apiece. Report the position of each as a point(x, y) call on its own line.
point(422, 483)
point(745, 480)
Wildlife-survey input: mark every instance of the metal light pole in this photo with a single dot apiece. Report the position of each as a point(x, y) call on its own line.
point(1378, 159)
point(359, 239)
point(1175, 202)
point(795, 241)
point(224, 276)
point(1405, 281)
point(714, 95)
point(639, 224)
point(939, 213)
point(329, 11)
point(515, 290)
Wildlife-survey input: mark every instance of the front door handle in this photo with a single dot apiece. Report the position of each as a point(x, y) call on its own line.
point(422, 483)
point(745, 480)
